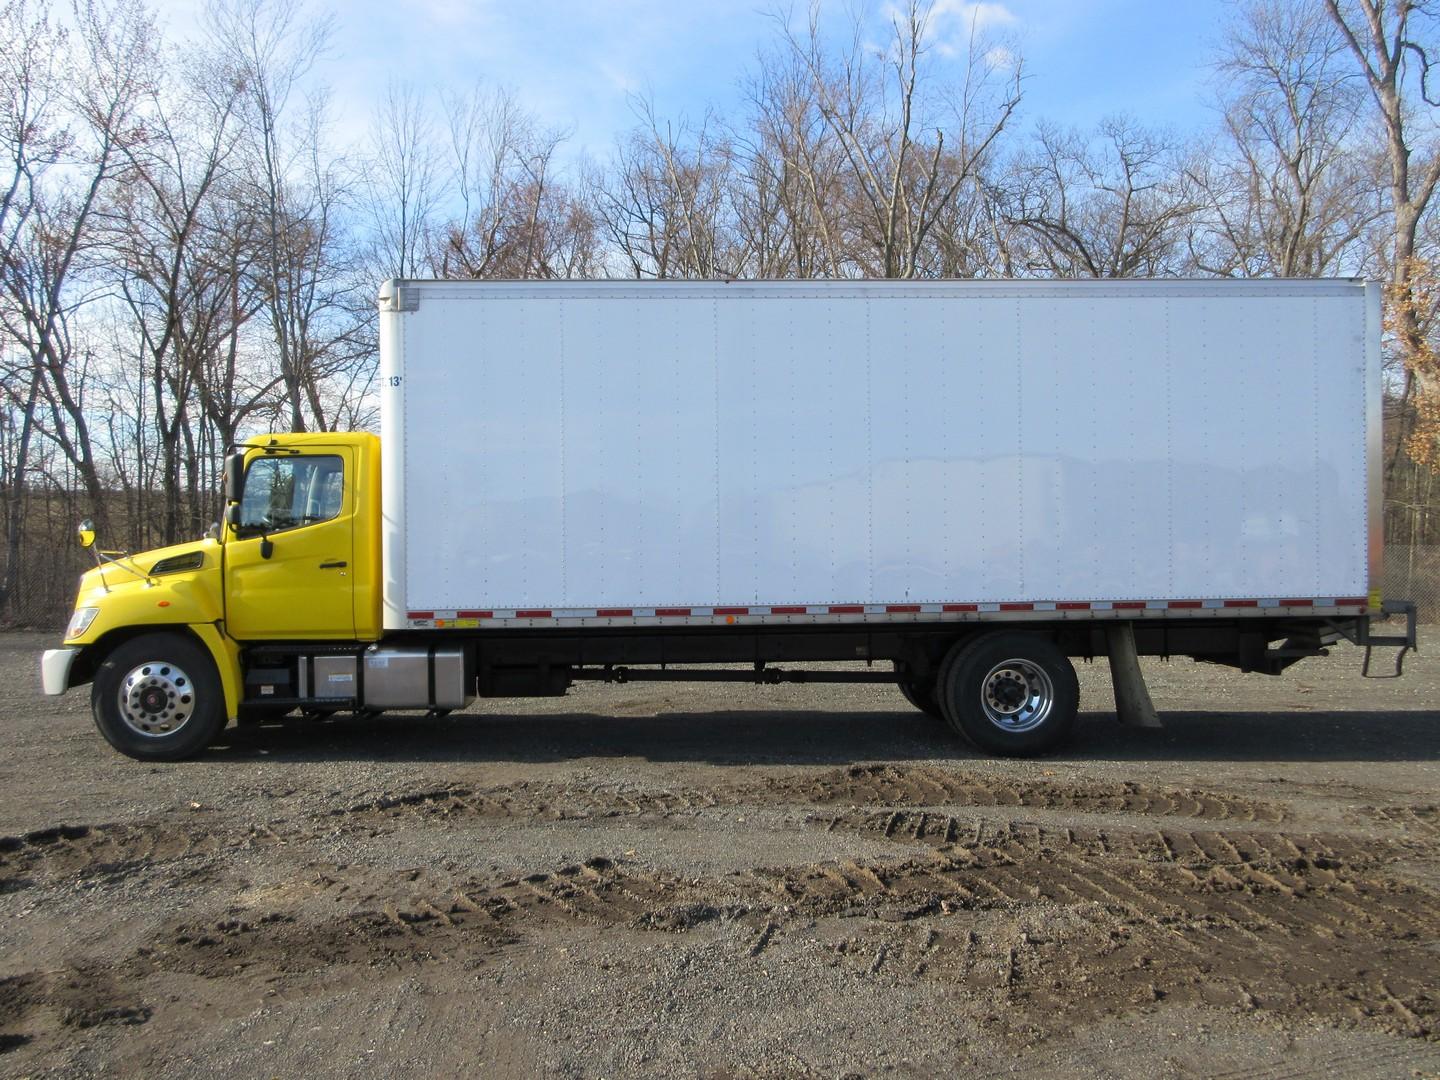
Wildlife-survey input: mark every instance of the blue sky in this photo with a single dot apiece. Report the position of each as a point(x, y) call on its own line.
point(576, 63)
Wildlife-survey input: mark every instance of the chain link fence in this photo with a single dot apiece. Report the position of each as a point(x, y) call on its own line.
point(44, 590)
point(1412, 572)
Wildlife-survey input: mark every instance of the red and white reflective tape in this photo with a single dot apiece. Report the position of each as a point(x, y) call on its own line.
point(470, 617)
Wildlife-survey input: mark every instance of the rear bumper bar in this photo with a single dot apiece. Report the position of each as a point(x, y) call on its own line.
point(1404, 642)
point(1388, 608)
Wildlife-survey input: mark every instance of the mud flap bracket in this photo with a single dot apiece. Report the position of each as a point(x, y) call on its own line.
point(1405, 642)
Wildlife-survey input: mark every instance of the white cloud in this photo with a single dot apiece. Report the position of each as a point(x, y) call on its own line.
point(954, 24)
point(957, 24)
point(619, 78)
point(979, 14)
point(1000, 58)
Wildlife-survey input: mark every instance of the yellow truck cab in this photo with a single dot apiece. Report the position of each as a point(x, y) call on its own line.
point(160, 634)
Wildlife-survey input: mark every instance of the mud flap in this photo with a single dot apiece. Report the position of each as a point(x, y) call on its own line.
point(226, 654)
point(1132, 698)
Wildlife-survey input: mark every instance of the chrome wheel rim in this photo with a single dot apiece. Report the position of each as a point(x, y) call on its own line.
point(1017, 695)
point(156, 698)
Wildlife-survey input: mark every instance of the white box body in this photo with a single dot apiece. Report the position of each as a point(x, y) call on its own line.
point(616, 452)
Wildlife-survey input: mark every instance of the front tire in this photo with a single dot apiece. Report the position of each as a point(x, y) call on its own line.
point(158, 698)
point(1012, 694)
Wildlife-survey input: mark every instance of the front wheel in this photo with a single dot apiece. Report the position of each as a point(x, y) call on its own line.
point(1011, 694)
point(158, 698)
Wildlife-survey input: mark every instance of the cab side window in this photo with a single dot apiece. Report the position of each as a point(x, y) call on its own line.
point(287, 492)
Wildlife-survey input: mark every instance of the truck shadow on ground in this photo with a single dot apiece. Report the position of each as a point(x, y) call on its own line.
point(813, 737)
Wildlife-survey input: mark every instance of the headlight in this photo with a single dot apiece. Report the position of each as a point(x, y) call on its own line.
point(80, 621)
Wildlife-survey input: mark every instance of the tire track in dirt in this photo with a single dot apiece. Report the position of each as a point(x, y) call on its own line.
point(893, 785)
point(116, 850)
point(407, 918)
point(85, 996)
point(1211, 872)
point(543, 802)
point(1054, 925)
point(858, 785)
point(1106, 933)
point(1416, 820)
point(1191, 847)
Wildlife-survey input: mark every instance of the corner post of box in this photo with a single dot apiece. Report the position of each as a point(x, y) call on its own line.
point(1374, 445)
point(1132, 698)
point(397, 299)
point(397, 294)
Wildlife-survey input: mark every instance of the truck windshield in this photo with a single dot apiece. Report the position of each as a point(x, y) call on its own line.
point(284, 492)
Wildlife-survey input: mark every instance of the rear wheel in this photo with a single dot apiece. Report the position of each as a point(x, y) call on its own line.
point(1010, 693)
point(158, 698)
point(919, 692)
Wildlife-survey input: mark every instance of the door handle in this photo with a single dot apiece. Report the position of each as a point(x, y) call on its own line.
point(334, 565)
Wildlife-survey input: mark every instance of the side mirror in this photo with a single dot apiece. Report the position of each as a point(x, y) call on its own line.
point(87, 533)
point(232, 515)
point(234, 477)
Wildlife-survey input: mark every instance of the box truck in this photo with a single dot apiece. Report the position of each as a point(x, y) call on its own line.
point(964, 484)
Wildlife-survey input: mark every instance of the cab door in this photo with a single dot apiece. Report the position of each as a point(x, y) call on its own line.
point(288, 554)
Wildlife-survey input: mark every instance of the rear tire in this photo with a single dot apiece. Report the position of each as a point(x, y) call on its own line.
point(1012, 694)
point(158, 698)
point(919, 692)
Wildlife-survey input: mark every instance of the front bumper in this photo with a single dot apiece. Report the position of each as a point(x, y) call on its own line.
point(55, 669)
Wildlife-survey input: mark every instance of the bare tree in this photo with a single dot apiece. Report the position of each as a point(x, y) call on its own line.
point(272, 47)
point(401, 184)
point(789, 191)
point(1393, 41)
point(514, 217)
point(911, 141)
point(162, 225)
point(664, 205)
point(1290, 193)
point(1116, 206)
point(76, 125)
point(34, 140)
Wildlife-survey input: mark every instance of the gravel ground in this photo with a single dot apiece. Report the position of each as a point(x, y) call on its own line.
point(717, 881)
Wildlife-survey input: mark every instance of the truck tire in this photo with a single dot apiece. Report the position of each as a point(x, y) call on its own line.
point(919, 692)
point(1012, 694)
point(158, 698)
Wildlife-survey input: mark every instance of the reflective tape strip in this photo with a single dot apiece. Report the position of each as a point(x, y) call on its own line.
point(1038, 607)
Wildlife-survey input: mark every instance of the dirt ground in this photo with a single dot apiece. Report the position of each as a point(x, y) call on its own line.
point(662, 880)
